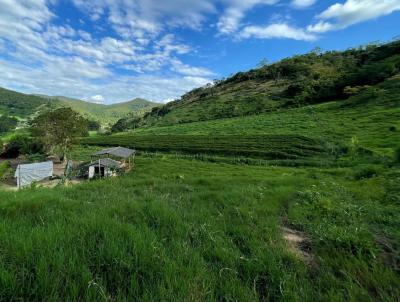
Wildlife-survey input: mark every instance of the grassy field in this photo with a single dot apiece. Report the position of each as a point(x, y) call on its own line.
point(371, 124)
point(185, 230)
point(369, 120)
point(261, 146)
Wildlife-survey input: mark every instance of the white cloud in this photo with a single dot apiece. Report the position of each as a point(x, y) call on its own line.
point(185, 69)
point(61, 60)
point(339, 16)
point(137, 19)
point(85, 35)
point(303, 3)
point(278, 30)
point(230, 20)
point(52, 81)
point(97, 99)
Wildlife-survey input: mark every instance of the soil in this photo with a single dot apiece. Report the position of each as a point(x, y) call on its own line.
point(298, 243)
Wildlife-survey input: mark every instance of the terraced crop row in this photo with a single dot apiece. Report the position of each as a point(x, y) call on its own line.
point(260, 146)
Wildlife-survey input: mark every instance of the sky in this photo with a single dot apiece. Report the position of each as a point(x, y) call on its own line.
point(108, 51)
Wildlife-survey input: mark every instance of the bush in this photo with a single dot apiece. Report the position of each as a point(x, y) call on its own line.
point(4, 166)
point(93, 125)
point(7, 123)
point(22, 144)
point(397, 155)
point(365, 172)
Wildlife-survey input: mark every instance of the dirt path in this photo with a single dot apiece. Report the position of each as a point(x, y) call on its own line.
point(298, 243)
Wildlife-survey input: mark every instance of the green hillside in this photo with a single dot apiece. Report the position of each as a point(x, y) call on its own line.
point(24, 105)
point(369, 119)
point(21, 105)
point(109, 113)
point(294, 82)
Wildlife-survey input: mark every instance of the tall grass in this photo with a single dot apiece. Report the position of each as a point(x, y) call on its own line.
point(180, 230)
point(259, 146)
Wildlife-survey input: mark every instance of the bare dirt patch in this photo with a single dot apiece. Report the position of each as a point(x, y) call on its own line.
point(298, 243)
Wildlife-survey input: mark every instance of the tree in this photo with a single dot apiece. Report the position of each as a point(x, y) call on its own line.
point(93, 125)
point(7, 123)
point(263, 62)
point(59, 129)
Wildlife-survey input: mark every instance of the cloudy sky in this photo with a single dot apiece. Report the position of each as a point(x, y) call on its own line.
point(115, 50)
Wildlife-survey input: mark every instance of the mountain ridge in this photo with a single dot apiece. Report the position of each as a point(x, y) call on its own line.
point(24, 105)
point(297, 81)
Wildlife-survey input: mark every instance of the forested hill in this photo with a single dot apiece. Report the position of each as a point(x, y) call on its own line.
point(21, 105)
point(109, 113)
point(312, 78)
point(18, 104)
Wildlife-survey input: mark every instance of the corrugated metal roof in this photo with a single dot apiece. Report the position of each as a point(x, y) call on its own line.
point(106, 162)
point(116, 151)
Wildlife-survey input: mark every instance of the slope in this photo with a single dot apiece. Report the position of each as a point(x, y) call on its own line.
point(369, 119)
point(294, 82)
point(109, 113)
point(13, 103)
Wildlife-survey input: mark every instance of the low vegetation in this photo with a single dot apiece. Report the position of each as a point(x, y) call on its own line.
point(176, 229)
point(259, 146)
point(370, 119)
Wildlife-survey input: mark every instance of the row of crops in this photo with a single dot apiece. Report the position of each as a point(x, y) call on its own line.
point(260, 146)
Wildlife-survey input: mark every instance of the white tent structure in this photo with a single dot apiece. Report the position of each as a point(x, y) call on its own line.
point(29, 173)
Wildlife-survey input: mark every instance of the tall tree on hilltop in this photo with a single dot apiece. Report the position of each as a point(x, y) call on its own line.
point(59, 129)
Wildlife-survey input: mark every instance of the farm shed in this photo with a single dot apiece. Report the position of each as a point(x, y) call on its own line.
point(124, 154)
point(103, 167)
point(29, 173)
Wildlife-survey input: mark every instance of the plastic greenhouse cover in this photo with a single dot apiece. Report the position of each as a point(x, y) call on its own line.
point(29, 173)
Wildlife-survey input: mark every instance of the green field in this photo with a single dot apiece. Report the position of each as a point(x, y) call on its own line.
point(259, 146)
point(370, 120)
point(180, 230)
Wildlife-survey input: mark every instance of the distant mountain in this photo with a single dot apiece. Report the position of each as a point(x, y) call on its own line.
point(298, 81)
point(24, 105)
point(109, 113)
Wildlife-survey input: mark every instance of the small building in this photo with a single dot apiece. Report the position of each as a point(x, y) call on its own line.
point(26, 174)
point(125, 155)
point(103, 167)
point(107, 162)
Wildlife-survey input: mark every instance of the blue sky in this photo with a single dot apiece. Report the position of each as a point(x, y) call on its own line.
point(110, 51)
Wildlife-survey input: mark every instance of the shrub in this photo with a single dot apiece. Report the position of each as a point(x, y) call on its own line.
point(4, 166)
point(397, 155)
point(22, 144)
point(365, 172)
point(392, 128)
point(7, 123)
